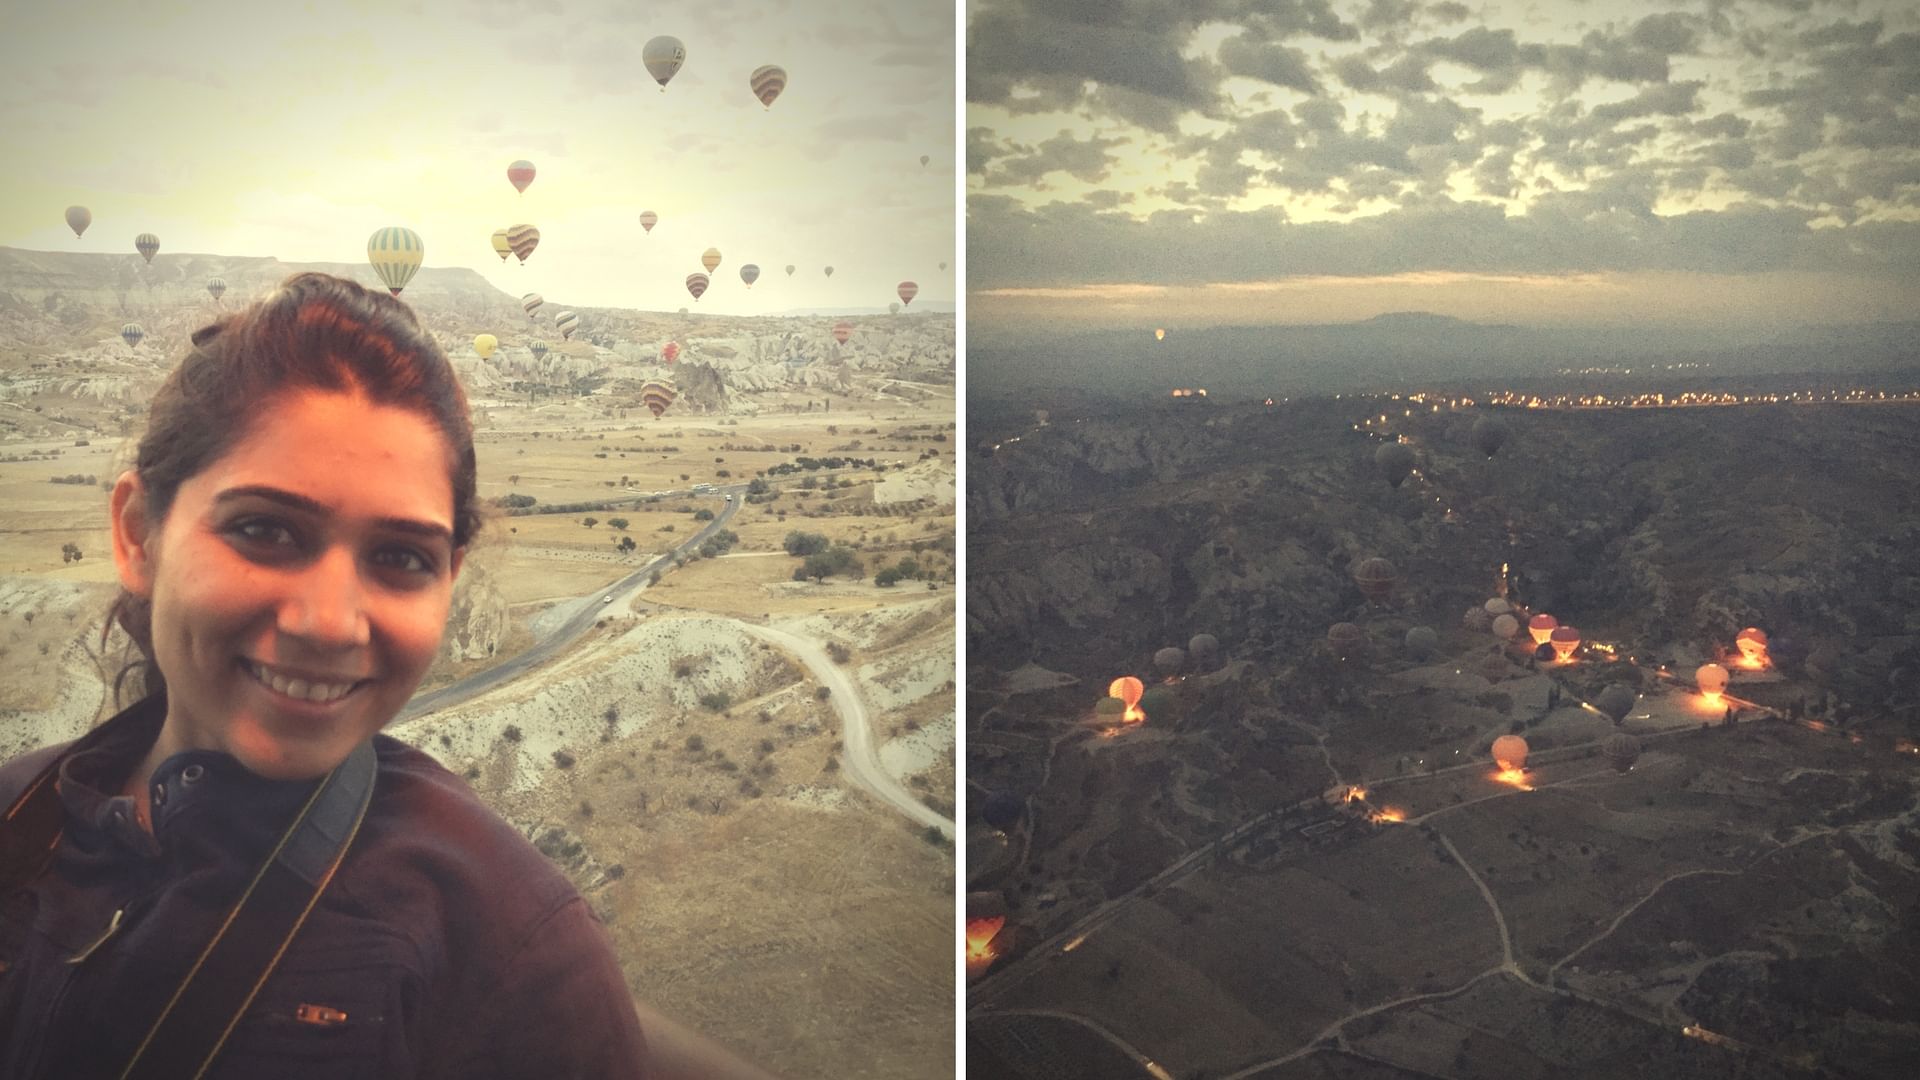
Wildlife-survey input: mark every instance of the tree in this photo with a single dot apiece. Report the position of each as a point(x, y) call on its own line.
point(756, 486)
point(627, 545)
point(617, 523)
point(589, 522)
point(703, 514)
point(805, 543)
point(838, 559)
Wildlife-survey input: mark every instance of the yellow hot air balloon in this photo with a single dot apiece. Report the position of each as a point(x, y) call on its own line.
point(710, 259)
point(1128, 689)
point(395, 253)
point(484, 344)
point(1159, 333)
point(501, 246)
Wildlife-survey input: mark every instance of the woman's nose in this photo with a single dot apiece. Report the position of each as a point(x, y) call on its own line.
point(328, 604)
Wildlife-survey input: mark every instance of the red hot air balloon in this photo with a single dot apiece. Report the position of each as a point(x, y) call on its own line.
point(1376, 578)
point(1541, 628)
point(842, 331)
point(1510, 752)
point(697, 285)
point(670, 352)
point(648, 219)
point(520, 174)
point(1347, 638)
point(1753, 646)
point(1128, 689)
point(1564, 639)
point(908, 290)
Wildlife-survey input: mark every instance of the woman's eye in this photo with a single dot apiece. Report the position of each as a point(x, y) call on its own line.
point(410, 560)
point(261, 530)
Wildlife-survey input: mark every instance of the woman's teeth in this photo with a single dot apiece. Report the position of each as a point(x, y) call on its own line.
point(301, 688)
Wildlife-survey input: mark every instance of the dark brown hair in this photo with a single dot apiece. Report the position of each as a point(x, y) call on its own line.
point(315, 332)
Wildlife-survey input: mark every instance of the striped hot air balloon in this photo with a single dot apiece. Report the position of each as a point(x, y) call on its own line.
point(648, 219)
point(697, 285)
point(216, 288)
point(565, 322)
point(395, 253)
point(523, 239)
point(537, 348)
point(663, 56)
point(749, 274)
point(500, 245)
point(132, 333)
point(710, 259)
point(148, 245)
point(531, 302)
point(670, 351)
point(766, 82)
point(520, 174)
point(656, 396)
point(78, 218)
point(908, 290)
point(842, 331)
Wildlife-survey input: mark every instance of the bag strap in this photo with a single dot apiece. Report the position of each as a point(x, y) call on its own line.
point(196, 1021)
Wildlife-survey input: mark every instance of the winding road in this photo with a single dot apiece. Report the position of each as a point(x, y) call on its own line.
point(862, 758)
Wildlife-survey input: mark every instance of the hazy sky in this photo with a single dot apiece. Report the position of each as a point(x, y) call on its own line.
point(1299, 161)
point(297, 129)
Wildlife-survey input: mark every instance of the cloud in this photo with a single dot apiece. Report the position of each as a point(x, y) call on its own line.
point(1268, 62)
point(1084, 160)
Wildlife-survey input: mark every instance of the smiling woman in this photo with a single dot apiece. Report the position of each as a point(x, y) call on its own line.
point(238, 875)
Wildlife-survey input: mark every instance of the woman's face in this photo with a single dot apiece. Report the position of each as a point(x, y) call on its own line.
point(316, 555)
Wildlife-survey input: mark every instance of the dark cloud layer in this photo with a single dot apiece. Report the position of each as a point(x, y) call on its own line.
point(1811, 120)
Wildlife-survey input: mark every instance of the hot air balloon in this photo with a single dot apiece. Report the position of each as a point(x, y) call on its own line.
point(670, 351)
point(943, 266)
point(663, 56)
point(147, 245)
point(1505, 626)
point(1110, 709)
point(893, 308)
point(1498, 606)
point(531, 301)
point(78, 218)
point(648, 219)
point(1543, 651)
point(790, 269)
point(484, 344)
point(829, 271)
point(537, 348)
point(908, 290)
point(1159, 333)
point(1540, 628)
point(1488, 435)
point(1204, 649)
point(1347, 638)
point(842, 331)
point(1564, 639)
point(710, 259)
point(1128, 689)
point(520, 174)
point(1002, 811)
point(395, 253)
point(1376, 578)
point(1169, 661)
point(523, 239)
point(1159, 703)
point(1395, 461)
point(565, 322)
point(1510, 752)
point(1477, 620)
point(500, 245)
point(656, 396)
point(216, 288)
point(749, 274)
point(1712, 679)
point(924, 158)
point(697, 285)
point(1616, 701)
point(766, 82)
point(1621, 749)
point(1495, 666)
point(132, 333)
point(1753, 645)
point(1422, 642)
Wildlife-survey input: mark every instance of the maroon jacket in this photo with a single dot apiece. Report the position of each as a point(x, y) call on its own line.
point(451, 946)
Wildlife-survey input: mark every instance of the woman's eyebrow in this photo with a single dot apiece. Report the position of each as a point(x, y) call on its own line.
point(302, 503)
